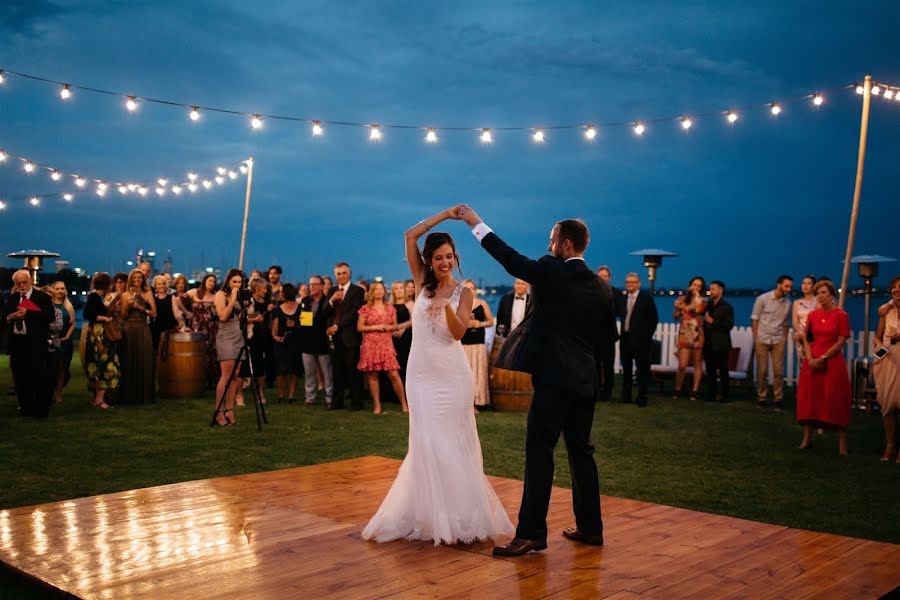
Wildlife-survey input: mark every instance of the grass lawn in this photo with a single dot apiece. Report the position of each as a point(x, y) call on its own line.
point(732, 459)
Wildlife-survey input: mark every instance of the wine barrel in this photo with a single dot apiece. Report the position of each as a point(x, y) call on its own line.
point(510, 390)
point(181, 367)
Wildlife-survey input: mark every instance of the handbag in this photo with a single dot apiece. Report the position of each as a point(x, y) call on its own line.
point(519, 350)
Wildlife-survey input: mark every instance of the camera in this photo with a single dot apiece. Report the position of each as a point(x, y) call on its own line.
point(245, 296)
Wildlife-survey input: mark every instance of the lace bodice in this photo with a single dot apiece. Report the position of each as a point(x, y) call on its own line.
point(429, 319)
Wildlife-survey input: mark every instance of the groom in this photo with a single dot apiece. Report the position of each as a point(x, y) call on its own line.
point(566, 333)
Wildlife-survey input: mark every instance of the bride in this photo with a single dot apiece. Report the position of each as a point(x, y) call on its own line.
point(441, 492)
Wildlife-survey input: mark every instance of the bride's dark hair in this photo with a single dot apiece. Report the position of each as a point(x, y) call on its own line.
point(433, 241)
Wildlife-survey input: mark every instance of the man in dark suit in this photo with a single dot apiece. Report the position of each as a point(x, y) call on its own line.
point(637, 312)
point(717, 325)
point(567, 329)
point(27, 315)
point(513, 307)
point(347, 299)
point(607, 364)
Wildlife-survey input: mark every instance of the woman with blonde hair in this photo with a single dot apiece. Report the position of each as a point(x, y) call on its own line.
point(138, 368)
point(377, 320)
point(66, 347)
point(473, 343)
point(887, 368)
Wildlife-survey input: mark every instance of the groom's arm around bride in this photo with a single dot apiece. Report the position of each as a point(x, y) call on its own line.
point(570, 321)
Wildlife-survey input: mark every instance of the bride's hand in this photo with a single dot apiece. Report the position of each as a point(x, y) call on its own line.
point(454, 212)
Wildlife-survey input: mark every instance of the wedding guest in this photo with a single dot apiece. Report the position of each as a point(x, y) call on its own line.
point(27, 315)
point(275, 272)
point(101, 357)
point(183, 303)
point(170, 288)
point(377, 319)
point(54, 357)
point(800, 311)
point(823, 390)
point(887, 369)
point(66, 346)
point(328, 285)
point(138, 368)
point(165, 311)
point(204, 321)
point(688, 312)
point(403, 335)
point(259, 335)
point(410, 294)
point(639, 318)
point(770, 319)
point(607, 361)
point(314, 341)
point(364, 284)
point(147, 269)
point(286, 334)
point(302, 291)
point(275, 297)
point(346, 299)
point(717, 325)
point(475, 348)
point(229, 341)
point(113, 302)
point(513, 307)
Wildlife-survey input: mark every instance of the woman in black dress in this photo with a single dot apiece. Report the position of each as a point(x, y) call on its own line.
point(165, 312)
point(286, 334)
point(259, 334)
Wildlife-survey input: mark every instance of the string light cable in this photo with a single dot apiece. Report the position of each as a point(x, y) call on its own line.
point(430, 133)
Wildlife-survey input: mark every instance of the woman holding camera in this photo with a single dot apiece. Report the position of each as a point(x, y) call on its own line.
point(229, 341)
point(138, 361)
point(823, 391)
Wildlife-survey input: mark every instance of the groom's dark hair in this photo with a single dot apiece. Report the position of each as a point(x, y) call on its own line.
point(576, 231)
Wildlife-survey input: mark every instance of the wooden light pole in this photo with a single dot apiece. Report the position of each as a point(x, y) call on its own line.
point(246, 212)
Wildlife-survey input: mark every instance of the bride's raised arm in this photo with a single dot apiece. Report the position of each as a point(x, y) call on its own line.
point(412, 235)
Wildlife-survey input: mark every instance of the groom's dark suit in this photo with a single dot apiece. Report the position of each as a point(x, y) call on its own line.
point(571, 322)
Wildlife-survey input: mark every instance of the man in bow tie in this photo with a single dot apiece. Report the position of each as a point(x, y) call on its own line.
point(513, 307)
point(27, 316)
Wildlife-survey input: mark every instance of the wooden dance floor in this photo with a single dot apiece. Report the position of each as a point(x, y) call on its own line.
point(296, 534)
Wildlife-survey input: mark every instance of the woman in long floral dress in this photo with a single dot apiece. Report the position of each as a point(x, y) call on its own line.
point(689, 311)
point(202, 302)
point(101, 358)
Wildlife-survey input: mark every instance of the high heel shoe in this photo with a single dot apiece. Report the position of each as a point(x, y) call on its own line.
point(888, 452)
point(695, 395)
point(231, 421)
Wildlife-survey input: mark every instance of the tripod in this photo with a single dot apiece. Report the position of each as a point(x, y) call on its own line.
point(244, 352)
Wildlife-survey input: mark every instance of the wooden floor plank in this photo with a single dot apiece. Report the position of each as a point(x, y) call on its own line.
point(295, 533)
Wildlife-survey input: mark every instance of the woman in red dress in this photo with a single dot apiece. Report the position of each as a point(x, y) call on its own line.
point(377, 319)
point(823, 392)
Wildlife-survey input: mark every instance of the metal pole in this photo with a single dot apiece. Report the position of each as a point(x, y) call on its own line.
point(246, 212)
point(854, 213)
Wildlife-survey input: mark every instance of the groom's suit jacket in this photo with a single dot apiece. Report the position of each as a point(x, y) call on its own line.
point(571, 319)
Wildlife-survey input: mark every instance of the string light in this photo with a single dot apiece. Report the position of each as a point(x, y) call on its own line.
point(65, 93)
point(431, 137)
point(192, 187)
point(3, 156)
point(220, 170)
point(123, 189)
point(131, 104)
point(220, 180)
point(160, 191)
point(55, 175)
point(686, 123)
point(192, 176)
point(29, 167)
point(102, 187)
point(2, 203)
point(317, 128)
point(256, 122)
point(374, 133)
point(101, 191)
point(486, 137)
point(131, 187)
point(860, 90)
point(232, 175)
point(876, 90)
point(176, 190)
point(162, 182)
point(35, 201)
point(888, 94)
point(818, 100)
point(243, 169)
point(538, 136)
point(68, 197)
point(207, 183)
point(142, 191)
point(590, 133)
point(639, 128)
point(776, 109)
point(80, 181)
point(195, 113)
point(2, 78)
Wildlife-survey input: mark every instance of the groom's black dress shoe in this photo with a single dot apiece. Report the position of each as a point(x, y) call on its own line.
point(519, 547)
point(574, 534)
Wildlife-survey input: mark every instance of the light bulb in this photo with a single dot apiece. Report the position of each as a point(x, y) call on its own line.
point(2, 78)
point(142, 191)
point(131, 104)
point(876, 90)
point(431, 137)
point(195, 114)
point(860, 90)
point(888, 94)
point(232, 175)
point(160, 191)
point(192, 176)
point(897, 96)
point(162, 182)
point(374, 133)
point(776, 110)
point(131, 187)
point(639, 128)
point(207, 183)
point(55, 175)
point(256, 122)
point(123, 189)
point(538, 136)
point(80, 181)
point(101, 191)
point(176, 190)
point(2, 205)
point(29, 167)
point(220, 170)
point(192, 187)
point(65, 93)
point(68, 197)
point(732, 116)
point(220, 180)
point(2, 156)
point(486, 137)
point(35, 201)
point(818, 100)
point(102, 186)
point(317, 129)
point(686, 123)
point(590, 133)
point(244, 169)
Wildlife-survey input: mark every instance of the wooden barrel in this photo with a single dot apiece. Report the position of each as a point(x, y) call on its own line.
point(181, 367)
point(510, 390)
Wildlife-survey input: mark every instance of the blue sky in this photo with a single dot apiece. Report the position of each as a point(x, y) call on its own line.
point(741, 203)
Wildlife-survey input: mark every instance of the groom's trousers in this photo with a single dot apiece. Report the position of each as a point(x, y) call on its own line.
point(554, 411)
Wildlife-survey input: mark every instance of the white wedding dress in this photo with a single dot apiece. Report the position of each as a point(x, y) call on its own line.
point(441, 492)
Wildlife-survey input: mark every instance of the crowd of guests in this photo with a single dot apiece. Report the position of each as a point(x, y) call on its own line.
point(347, 341)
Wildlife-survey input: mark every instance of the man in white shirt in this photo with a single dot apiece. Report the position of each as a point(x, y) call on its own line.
point(513, 307)
point(771, 318)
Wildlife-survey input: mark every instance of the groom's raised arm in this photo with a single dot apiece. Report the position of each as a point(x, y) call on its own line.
point(515, 264)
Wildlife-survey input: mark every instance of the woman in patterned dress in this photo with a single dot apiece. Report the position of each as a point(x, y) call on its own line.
point(101, 360)
point(689, 310)
point(473, 342)
point(377, 319)
point(203, 321)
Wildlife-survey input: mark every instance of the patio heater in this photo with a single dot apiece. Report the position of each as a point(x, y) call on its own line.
point(653, 258)
point(34, 260)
